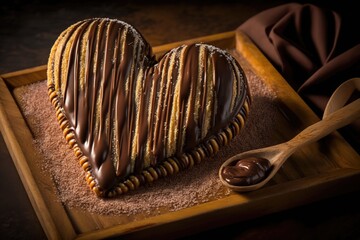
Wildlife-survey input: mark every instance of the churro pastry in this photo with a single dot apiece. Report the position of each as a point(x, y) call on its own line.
point(131, 119)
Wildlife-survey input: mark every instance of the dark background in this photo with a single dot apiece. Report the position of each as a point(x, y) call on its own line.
point(29, 28)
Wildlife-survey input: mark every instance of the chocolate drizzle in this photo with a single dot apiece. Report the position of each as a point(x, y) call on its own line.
point(129, 113)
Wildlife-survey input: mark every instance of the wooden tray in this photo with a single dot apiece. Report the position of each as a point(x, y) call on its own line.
point(337, 170)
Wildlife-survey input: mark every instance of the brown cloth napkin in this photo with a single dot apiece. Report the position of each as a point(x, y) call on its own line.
point(313, 50)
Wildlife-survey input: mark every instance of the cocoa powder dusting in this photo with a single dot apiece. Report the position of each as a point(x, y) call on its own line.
point(185, 189)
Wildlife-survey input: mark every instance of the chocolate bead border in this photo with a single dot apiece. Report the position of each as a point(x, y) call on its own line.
point(167, 167)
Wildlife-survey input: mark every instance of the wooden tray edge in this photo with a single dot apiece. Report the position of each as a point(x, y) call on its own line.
point(143, 226)
point(245, 205)
point(20, 155)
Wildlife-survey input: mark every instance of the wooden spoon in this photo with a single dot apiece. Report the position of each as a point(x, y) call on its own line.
point(334, 118)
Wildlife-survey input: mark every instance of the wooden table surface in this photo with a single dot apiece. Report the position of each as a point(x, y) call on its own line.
point(27, 32)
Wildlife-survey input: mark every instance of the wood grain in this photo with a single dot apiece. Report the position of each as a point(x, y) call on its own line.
point(38, 186)
point(322, 170)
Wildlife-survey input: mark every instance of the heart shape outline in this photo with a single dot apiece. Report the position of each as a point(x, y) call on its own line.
point(102, 30)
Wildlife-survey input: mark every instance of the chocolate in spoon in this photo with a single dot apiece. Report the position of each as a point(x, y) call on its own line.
point(251, 170)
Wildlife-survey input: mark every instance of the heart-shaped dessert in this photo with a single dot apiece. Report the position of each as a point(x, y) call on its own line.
point(131, 120)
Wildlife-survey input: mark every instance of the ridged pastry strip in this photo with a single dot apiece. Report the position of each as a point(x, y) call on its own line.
point(132, 120)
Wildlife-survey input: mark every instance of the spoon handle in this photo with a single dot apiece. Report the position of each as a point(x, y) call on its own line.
point(332, 122)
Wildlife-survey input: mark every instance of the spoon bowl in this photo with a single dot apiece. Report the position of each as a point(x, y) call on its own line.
point(335, 117)
point(273, 154)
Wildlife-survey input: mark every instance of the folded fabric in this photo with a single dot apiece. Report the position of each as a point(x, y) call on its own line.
point(309, 46)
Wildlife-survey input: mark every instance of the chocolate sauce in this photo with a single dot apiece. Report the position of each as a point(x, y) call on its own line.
point(130, 112)
point(247, 171)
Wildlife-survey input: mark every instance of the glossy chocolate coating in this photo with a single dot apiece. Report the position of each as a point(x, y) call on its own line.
point(129, 112)
point(247, 171)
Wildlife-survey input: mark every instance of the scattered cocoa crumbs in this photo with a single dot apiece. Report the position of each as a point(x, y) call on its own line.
point(188, 188)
